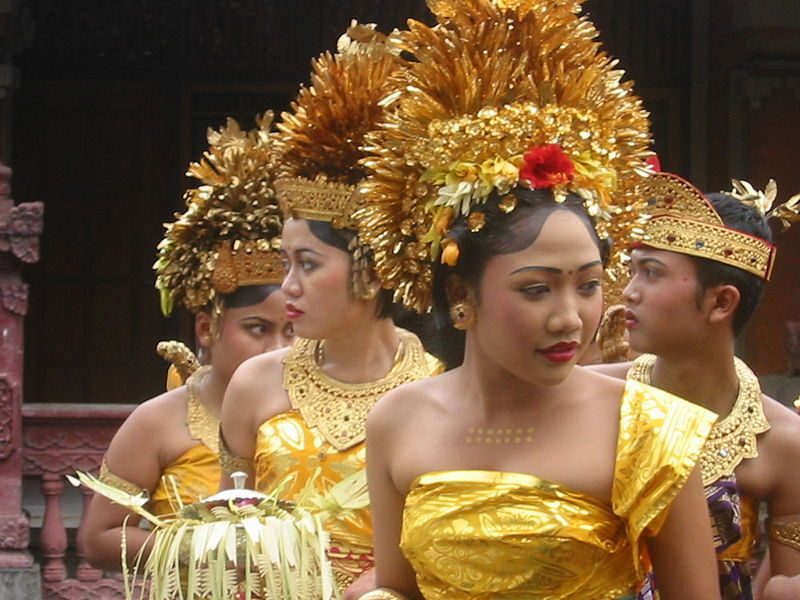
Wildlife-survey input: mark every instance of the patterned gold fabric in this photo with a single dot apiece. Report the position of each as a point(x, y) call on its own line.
point(291, 452)
point(494, 535)
point(745, 549)
point(196, 474)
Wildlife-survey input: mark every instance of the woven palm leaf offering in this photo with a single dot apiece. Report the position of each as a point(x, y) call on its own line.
point(238, 544)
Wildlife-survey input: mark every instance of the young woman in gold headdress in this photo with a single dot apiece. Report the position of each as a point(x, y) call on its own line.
point(297, 415)
point(519, 474)
point(220, 260)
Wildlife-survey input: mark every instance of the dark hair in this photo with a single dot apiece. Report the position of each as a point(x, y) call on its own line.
point(710, 273)
point(502, 234)
point(248, 295)
point(341, 238)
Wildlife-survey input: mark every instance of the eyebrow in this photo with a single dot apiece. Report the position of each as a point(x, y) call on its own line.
point(647, 259)
point(555, 270)
point(299, 250)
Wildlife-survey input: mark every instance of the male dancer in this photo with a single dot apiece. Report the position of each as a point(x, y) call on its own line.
point(695, 282)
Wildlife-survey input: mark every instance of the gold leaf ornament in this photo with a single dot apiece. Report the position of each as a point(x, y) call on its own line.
point(234, 206)
point(491, 80)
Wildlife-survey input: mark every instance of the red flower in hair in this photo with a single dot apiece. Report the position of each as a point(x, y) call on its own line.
point(654, 162)
point(546, 166)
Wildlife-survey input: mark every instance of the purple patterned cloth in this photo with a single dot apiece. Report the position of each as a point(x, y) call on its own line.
point(724, 506)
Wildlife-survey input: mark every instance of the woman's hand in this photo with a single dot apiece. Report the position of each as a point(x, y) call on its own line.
point(362, 585)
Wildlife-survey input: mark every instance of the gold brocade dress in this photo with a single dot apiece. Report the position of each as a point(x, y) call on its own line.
point(196, 473)
point(321, 441)
point(495, 535)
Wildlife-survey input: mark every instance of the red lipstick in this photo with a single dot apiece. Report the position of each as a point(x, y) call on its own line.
point(561, 352)
point(292, 312)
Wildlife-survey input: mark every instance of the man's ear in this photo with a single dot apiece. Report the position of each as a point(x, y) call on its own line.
point(723, 302)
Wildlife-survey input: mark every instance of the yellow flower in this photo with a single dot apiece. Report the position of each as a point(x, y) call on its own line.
point(591, 172)
point(450, 253)
point(443, 219)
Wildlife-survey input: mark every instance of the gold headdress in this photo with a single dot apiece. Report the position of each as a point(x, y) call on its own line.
point(501, 93)
point(320, 139)
point(684, 221)
point(230, 234)
point(786, 213)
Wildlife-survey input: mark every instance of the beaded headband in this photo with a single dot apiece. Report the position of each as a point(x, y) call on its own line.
point(229, 236)
point(683, 220)
point(317, 200)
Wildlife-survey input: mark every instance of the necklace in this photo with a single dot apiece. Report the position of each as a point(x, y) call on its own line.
point(319, 353)
point(733, 438)
point(337, 409)
point(203, 426)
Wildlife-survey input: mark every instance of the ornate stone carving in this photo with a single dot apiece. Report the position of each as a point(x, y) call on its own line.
point(60, 440)
point(14, 298)
point(6, 421)
point(73, 589)
point(14, 532)
point(20, 226)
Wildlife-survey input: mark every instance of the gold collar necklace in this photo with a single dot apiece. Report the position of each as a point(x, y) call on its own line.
point(733, 438)
point(339, 410)
point(203, 426)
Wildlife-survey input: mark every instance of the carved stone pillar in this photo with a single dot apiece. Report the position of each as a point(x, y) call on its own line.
point(20, 227)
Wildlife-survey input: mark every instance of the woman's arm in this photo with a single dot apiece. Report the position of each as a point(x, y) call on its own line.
point(254, 394)
point(392, 570)
point(133, 455)
point(684, 561)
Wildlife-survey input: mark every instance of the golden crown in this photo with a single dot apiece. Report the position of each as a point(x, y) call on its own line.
point(229, 235)
point(246, 262)
point(683, 220)
point(320, 139)
point(317, 200)
point(500, 93)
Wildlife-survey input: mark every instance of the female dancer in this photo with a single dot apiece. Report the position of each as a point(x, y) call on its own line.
point(518, 475)
point(297, 415)
point(220, 260)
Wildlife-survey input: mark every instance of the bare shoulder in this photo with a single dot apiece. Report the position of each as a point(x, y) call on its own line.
point(158, 414)
point(600, 385)
point(259, 370)
point(254, 395)
point(257, 386)
point(616, 370)
point(407, 405)
point(778, 456)
point(783, 437)
point(153, 434)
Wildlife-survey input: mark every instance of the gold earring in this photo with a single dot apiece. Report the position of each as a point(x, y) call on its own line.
point(370, 292)
point(463, 315)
